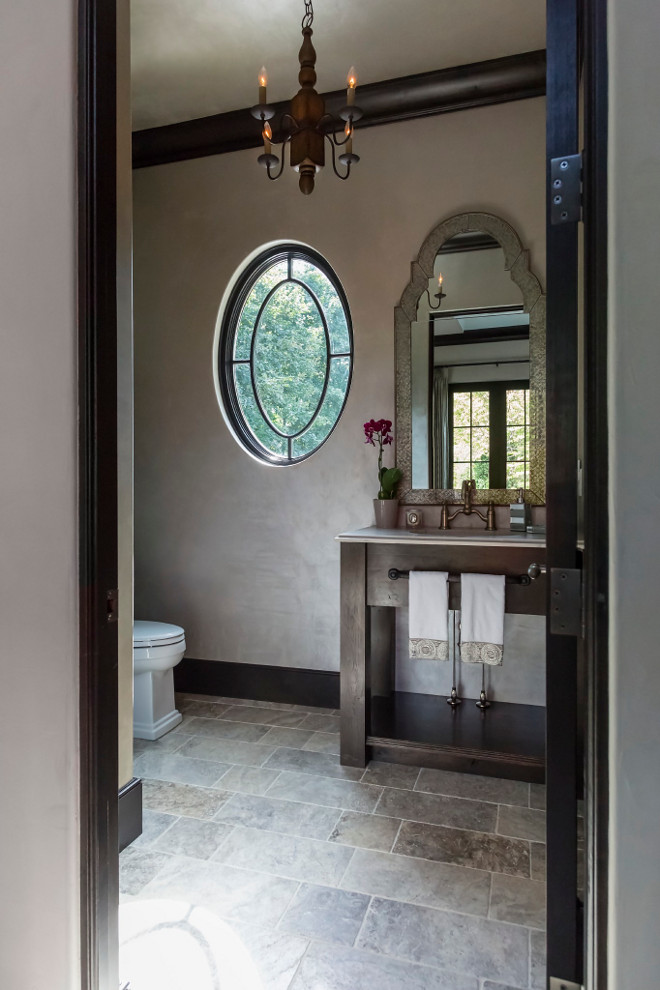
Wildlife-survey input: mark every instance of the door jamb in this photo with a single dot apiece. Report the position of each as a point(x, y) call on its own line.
point(564, 940)
point(97, 491)
point(596, 521)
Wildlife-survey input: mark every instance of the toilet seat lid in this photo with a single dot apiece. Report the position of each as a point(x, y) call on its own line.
point(156, 634)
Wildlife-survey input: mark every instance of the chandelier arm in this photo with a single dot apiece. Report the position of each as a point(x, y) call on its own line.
point(294, 130)
point(340, 144)
point(327, 118)
point(332, 134)
point(282, 142)
point(334, 162)
point(281, 168)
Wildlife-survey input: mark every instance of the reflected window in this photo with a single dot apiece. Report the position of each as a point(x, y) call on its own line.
point(471, 437)
point(286, 354)
point(517, 438)
point(489, 434)
point(466, 348)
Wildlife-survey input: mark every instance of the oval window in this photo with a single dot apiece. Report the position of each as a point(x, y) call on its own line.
point(286, 354)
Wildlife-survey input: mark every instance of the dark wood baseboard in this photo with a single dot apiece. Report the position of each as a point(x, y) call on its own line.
point(130, 812)
point(288, 685)
point(460, 87)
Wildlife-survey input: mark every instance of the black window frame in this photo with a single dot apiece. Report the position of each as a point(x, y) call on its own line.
point(244, 284)
point(497, 462)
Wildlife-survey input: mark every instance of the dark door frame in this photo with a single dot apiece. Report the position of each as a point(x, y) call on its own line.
point(596, 515)
point(577, 944)
point(97, 203)
point(564, 917)
point(97, 370)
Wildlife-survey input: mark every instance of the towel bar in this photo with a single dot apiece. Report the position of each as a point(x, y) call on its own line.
point(394, 574)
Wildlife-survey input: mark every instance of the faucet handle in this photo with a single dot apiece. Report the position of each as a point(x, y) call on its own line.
point(490, 517)
point(467, 487)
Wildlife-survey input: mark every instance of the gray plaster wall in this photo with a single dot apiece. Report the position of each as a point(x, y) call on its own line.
point(239, 553)
point(634, 408)
point(39, 842)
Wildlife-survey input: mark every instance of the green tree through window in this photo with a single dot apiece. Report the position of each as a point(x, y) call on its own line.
point(286, 354)
point(490, 427)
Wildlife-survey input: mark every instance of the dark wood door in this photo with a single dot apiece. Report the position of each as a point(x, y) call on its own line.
point(564, 939)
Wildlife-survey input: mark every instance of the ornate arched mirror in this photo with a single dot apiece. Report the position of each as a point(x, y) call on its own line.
point(470, 367)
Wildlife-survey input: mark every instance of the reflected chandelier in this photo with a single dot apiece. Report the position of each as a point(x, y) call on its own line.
point(307, 126)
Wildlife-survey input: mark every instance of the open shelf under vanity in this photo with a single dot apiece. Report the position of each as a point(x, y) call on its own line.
point(506, 740)
point(378, 722)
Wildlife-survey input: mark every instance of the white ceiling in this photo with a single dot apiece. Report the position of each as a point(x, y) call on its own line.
point(191, 58)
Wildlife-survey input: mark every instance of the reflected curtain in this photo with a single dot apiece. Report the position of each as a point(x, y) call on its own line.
point(440, 452)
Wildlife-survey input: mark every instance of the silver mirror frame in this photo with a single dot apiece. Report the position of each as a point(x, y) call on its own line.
point(516, 262)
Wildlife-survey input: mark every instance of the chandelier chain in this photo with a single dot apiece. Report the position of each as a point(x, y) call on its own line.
point(309, 15)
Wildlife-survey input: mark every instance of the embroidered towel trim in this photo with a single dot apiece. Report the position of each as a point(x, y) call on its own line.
point(482, 618)
point(428, 624)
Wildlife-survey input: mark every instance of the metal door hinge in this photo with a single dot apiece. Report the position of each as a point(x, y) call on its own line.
point(566, 189)
point(556, 984)
point(112, 604)
point(565, 602)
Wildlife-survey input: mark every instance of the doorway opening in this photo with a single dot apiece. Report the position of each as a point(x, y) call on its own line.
point(250, 822)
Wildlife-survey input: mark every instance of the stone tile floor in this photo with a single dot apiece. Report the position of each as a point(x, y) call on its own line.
point(334, 878)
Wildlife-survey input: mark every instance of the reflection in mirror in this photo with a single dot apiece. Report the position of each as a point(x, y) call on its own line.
point(470, 372)
point(470, 367)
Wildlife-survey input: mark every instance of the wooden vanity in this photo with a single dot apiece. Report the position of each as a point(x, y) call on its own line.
point(377, 722)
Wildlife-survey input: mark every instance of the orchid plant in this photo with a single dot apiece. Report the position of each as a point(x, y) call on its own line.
point(379, 432)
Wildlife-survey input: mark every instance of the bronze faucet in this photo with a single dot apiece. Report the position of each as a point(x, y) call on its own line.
point(467, 508)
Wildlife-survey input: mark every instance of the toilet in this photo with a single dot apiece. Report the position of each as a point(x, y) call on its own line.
point(157, 648)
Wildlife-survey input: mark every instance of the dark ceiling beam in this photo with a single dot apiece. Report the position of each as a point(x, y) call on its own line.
point(500, 80)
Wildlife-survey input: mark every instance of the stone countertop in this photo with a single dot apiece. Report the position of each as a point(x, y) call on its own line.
point(435, 537)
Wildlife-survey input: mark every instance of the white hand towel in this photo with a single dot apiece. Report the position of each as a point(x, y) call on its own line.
point(428, 615)
point(482, 618)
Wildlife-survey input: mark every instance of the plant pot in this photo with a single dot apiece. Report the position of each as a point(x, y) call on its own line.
point(386, 511)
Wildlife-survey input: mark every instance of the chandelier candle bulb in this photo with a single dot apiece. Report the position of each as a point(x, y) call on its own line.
point(267, 136)
point(348, 131)
point(263, 82)
point(351, 82)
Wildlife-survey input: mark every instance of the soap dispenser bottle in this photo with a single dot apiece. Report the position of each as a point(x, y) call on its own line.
point(521, 516)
